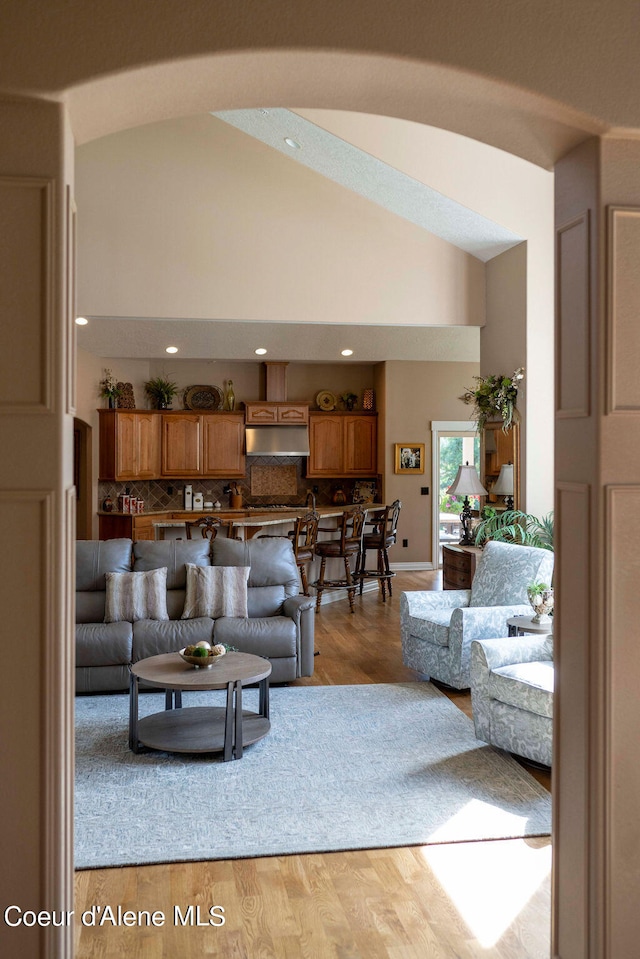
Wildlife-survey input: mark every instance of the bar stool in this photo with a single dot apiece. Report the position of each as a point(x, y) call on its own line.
point(209, 526)
point(345, 546)
point(304, 537)
point(384, 533)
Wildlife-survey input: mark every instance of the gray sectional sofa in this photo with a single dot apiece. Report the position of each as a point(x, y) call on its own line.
point(279, 625)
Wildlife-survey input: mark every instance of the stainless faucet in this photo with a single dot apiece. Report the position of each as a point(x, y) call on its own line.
point(310, 500)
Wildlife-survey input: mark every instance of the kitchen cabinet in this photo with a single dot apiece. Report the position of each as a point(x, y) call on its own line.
point(129, 445)
point(128, 526)
point(272, 413)
point(181, 444)
point(342, 444)
point(149, 444)
point(223, 445)
point(203, 444)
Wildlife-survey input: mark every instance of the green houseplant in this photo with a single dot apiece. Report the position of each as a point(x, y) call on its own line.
point(514, 526)
point(161, 391)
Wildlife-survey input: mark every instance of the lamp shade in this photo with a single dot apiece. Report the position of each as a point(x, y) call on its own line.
point(467, 482)
point(503, 486)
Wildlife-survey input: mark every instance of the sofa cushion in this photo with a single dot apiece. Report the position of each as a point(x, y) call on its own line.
point(434, 627)
point(103, 644)
point(90, 606)
point(272, 560)
point(266, 636)
point(505, 570)
point(95, 557)
point(265, 600)
point(134, 596)
point(150, 637)
point(216, 591)
point(174, 554)
point(528, 686)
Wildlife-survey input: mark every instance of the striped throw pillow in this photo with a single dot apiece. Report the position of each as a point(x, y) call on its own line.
point(216, 591)
point(134, 596)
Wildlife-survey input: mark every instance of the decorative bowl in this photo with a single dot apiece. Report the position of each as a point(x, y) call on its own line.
point(542, 603)
point(213, 656)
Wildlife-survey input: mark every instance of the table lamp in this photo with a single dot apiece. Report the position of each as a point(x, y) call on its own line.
point(503, 486)
point(467, 483)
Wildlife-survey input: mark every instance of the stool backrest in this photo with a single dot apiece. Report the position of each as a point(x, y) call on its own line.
point(208, 525)
point(305, 531)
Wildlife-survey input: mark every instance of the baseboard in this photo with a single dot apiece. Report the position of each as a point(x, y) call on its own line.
point(400, 567)
point(333, 595)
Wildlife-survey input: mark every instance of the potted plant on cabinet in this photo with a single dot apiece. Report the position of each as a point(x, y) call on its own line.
point(161, 391)
point(109, 388)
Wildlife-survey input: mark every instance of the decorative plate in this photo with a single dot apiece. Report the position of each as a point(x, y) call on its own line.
point(326, 401)
point(204, 398)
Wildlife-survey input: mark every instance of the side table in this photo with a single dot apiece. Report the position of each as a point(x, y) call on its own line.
point(519, 625)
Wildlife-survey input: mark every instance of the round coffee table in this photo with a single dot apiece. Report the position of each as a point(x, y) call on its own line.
point(200, 729)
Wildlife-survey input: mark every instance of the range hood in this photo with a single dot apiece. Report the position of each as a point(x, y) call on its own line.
point(277, 440)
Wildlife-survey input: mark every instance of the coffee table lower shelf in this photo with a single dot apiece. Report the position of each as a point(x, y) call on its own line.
point(197, 729)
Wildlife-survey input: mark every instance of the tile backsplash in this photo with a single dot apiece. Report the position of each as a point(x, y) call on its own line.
point(159, 495)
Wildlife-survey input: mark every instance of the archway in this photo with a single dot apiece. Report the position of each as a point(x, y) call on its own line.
point(128, 91)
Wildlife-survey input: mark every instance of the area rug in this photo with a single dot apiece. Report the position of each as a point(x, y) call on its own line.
point(344, 767)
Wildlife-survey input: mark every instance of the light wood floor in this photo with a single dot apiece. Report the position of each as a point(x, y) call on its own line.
point(454, 901)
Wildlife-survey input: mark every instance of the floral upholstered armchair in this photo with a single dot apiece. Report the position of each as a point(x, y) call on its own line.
point(438, 627)
point(512, 682)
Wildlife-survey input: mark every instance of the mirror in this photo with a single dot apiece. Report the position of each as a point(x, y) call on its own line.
point(498, 449)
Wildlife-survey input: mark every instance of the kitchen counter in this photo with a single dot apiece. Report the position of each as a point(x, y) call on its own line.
point(152, 524)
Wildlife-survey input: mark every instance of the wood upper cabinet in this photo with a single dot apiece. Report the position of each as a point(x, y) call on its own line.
point(270, 413)
point(223, 445)
point(360, 445)
point(203, 444)
point(342, 444)
point(181, 444)
point(325, 445)
point(129, 445)
point(146, 444)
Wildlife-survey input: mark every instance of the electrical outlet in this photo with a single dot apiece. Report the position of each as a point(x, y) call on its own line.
point(424, 491)
point(405, 542)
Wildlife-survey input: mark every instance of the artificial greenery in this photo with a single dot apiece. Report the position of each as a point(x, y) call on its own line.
point(349, 399)
point(160, 390)
point(109, 386)
point(494, 396)
point(514, 526)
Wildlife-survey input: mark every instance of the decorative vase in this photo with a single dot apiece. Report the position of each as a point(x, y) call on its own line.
point(368, 399)
point(112, 402)
point(542, 604)
point(231, 397)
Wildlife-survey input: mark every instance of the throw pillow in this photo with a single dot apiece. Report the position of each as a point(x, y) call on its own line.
point(216, 591)
point(134, 596)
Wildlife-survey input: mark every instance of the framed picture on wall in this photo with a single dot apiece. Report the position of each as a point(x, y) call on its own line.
point(409, 458)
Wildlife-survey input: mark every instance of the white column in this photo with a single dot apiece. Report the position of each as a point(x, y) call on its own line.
point(37, 520)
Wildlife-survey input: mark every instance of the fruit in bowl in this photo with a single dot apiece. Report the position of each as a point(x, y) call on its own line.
point(202, 655)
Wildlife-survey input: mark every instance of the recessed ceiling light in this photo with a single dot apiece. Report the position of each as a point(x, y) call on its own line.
point(81, 320)
point(292, 143)
point(261, 351)
point(347, 352)
point(171, 349)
